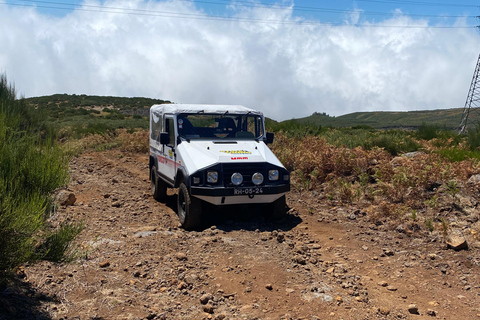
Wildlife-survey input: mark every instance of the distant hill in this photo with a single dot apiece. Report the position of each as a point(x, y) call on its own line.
point(63, 106)
point(448, 118)
point(63, 102)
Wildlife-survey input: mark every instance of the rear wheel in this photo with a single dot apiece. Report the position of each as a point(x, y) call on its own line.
point(189, 209)
point(159, 187)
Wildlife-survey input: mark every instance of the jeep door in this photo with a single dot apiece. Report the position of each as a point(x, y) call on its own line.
point(167, 164)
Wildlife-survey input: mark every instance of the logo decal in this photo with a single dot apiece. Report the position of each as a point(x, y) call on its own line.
point(236, 151)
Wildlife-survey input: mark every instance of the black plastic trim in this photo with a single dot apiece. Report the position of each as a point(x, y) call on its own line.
point(224, 192)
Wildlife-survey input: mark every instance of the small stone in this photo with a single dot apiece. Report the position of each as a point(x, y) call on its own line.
point(181, 256)
point(205, 298)
point(66, 198)
point(413, 309)
point(431, 313)
point(269, 287)
point(400, 228)
point(475, 179)
point(116, 204)
point(105, 264)
point(208, 308)
point(182, 285)
point(382, 283)
point(388, 252)
point(391, 288)
point(289, 290)
point(456, 241)
point(300, 260)
point(384, 311)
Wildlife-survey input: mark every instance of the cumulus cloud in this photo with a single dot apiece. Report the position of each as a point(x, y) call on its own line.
point(266, 59)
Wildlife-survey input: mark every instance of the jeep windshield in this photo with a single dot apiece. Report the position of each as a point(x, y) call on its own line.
point(220, 126)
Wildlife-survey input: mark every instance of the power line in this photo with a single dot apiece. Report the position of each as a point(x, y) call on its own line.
point(418, 3)
point(251, 4)
point(422, 3)
point(156, 13)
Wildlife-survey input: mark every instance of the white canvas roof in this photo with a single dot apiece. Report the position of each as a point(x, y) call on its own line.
point(201, 108)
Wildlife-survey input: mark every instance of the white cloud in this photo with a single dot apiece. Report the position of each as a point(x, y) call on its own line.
point(287, 70)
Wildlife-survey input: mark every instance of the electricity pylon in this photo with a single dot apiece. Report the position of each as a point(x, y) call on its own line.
point(473, 99)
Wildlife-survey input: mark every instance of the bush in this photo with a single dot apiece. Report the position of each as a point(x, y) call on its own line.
point(32, 167)
point(473, 138)
point(392, 141)
point(427, 131)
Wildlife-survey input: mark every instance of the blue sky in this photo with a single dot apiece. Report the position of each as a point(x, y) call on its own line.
point(325, 11)
point(286, 58)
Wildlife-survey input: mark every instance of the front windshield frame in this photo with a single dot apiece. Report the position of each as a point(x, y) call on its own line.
point(220, 126)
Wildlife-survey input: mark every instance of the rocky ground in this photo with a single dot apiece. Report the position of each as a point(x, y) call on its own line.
point(320, 262)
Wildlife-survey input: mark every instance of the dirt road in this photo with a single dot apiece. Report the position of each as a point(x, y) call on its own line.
point(321, 262)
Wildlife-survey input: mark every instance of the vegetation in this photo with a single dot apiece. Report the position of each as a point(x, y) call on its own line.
point(76, 116)
point(405, 166)
point(32, 167)
point(412, 120)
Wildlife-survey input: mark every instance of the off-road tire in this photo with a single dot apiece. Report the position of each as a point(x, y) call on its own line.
point(277, 209)
point(189, 209)
point(159, 187)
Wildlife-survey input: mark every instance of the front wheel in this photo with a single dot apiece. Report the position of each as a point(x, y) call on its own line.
point(189, 209)
point(277, 209)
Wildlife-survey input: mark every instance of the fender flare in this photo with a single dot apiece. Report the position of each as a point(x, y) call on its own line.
point(152, 162)
point(182, 176)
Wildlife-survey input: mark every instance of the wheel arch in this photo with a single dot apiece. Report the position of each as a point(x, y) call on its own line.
point(152, 162)
point(182, 176)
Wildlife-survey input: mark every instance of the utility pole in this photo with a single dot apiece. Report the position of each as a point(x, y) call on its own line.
point(473, 99)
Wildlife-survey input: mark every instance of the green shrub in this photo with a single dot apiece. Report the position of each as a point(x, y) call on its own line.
point(427, 131)
point(57, 246)
point(32, 167)
point(456, 155)
point(473, 138)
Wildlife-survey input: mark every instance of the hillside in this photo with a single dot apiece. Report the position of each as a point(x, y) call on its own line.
point(73, 110)
point(448, 118)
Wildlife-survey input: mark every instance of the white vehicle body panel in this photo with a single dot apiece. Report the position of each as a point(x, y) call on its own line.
point(196, 155)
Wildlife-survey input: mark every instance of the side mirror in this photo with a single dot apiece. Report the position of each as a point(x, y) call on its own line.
point(270, 136)
point(164, 138)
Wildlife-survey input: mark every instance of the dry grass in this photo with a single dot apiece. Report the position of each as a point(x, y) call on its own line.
point(419, 190)
point(122, 139)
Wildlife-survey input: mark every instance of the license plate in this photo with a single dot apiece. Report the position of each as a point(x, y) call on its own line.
point(247, 191)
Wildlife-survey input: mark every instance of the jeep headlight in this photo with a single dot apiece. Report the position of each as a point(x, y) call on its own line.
point(257, 178)
point(212, 176)
point(237, 178)
point(273, 175)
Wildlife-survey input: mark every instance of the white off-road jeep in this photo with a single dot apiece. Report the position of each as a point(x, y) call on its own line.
point(215, 154)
